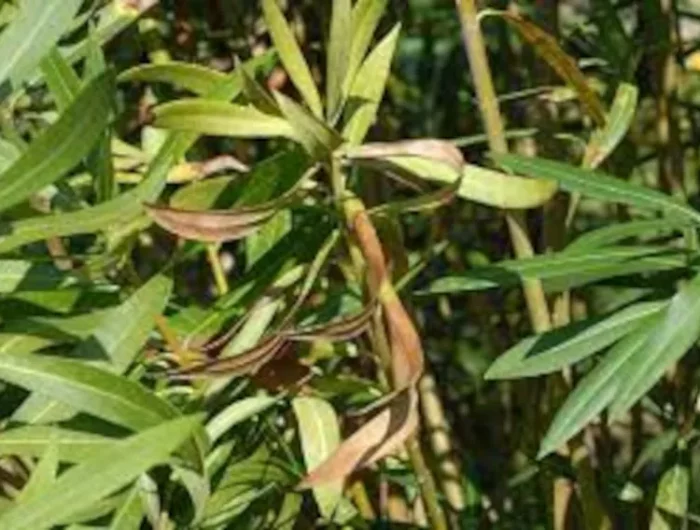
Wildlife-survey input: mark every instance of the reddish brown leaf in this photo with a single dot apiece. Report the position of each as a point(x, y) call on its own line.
point(213, 226)
point(247, 362)
point(343, 329)
point(378, 438)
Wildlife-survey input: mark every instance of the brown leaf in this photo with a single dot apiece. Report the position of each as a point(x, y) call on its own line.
point(548, 48)
point(378, 438)
point(343, 329)
point(213, 226)
point(247, 362)
point(431, 148)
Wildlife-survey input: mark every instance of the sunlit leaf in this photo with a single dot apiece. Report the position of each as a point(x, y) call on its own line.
point(291, 56)
point(104, 473)
point(339, 47)
point(192, 77)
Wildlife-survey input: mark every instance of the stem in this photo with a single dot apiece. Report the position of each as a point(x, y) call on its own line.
point(493, 124)
point(534, 293)
point(217, 269)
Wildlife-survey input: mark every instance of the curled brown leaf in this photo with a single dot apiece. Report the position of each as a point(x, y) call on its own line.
point(343, 329)
point(430, 148)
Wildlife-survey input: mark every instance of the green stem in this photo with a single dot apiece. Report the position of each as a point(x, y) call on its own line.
point(217, 269)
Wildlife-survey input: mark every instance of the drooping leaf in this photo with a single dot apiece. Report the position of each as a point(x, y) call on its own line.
point(597, 185)
point(219, 118)
point(319, 434)
point(32, 34)
point(378, 438)
point(291, 56)
point(548, 48)
point(60, 147)
point(107, 471)
point(554, 350)
point(668, 341)
point(368, 87)
point(339, 47)
point(341, 330)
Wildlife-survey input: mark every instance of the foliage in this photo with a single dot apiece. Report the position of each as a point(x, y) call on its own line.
point(241, 244)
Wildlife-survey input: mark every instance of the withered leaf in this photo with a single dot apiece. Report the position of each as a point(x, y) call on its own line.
point(429, 148)
point(339, 330)
point(378, 438)
point(247, 362)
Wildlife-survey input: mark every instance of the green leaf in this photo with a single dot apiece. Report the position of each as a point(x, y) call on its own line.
point(43, 476)
point(20, 275)
point(669, 339)
point(192, 77)
point(219, 118)
point(339, 46)
point(597, 185)
point(604, 141)
point(87, 388)
point(291, 56)
point(366, 15)
point(319, 433)
point(130, 514)
point(32, 34)
point(368, 88)
point(316, 137)
point(34, 440)
point(671, 499)
point(556, 349)
point(125, 207)
point(616, 233)
point(236, 413)
point(61, 147)
point(594, 392)
point(105, 473)
point(62, 80)
point(122, 331)
point(115, 340)
point(563, 270)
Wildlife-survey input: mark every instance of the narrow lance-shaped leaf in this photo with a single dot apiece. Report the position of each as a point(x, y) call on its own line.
point(222, 225)
point(604, 141)
point(557, 349)
point(236, 413)
point(593, 393)
point(33, 440)
point(311, 132)
point(106, 472)
point(341, 330)
point(668, 341)
point(439, 151)
point(597, 185)
point(366, 15)
point(43, 476)
point(339, 45)
point(193, 77)
point(378, 438)
point(563, 270)
point(60, 147)
point(368, 88)
point(291, 56)
point(319, 434)
point(548, 48)
point(31, 35)
point(126, 206)
point(220, 118)
point(615, 233)
point(243, 363)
